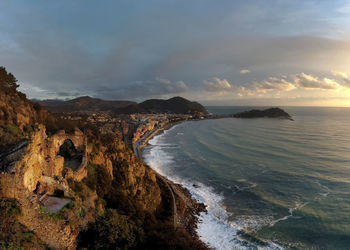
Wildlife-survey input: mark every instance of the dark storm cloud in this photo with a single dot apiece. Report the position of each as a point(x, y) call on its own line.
point(137, 50)
point(137, 90)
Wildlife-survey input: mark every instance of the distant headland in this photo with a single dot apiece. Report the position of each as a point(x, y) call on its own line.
point(175, 105)
point(269, 113)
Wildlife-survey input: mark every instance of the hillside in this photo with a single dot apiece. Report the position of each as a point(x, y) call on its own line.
point(61, 188)
point(269, 113)
point(84, 103)
point(18, 115)
point(177, 105)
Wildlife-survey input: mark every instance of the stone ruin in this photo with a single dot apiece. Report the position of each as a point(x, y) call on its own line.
point(39, 166)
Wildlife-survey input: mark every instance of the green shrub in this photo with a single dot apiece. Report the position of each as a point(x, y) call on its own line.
point(59, 215)
point(13, 129)
point(98, 179)
point(28, 236)
point(28, 129)
point(81, 213)
point(67, 149)
point(42, 210)
point(76, 186)
point(79, 188)
point(9, 208)
point(112, 231)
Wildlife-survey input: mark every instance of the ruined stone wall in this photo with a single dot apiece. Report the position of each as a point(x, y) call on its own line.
point(53, 146)
point(30, 167)
point(81, 173)
point(40, 159)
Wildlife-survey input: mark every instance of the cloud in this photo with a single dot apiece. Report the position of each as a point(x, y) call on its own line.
point(306, 81)
point(244, 71)
point(274, 83)
point(217, 85)
point(344, 79)
point(140, 89)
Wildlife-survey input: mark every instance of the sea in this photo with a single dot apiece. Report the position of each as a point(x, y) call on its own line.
point(267, 183)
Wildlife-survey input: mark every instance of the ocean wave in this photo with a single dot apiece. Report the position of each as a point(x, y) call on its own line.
point(214, 227)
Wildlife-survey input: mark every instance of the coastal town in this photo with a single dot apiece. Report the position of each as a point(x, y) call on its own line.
point(133, 128)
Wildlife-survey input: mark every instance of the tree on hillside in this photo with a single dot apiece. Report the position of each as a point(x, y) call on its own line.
point(7, 80)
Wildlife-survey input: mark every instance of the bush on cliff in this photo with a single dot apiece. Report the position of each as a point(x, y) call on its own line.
point(67, 149)
point(55, 124)
point(9, 208)
point(18, 115)
point(112, 231)
point(98, 179)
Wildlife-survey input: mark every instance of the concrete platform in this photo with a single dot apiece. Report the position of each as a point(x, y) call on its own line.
point(54, 204)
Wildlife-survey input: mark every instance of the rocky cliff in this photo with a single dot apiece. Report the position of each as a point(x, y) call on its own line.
point(65, 189)
point(38, 177)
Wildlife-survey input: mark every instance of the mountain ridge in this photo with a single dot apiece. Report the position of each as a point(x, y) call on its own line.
point(177, 105)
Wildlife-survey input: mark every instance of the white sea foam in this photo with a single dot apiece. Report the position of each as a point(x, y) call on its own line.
point(214, 228)
point(325, 194)
point(290, 210)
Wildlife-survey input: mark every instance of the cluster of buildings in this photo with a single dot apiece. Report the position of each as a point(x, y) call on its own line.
point(129, 128)
point(147, 123)
point(105, 121)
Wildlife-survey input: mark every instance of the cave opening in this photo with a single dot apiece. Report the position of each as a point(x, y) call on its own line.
point(72, 157)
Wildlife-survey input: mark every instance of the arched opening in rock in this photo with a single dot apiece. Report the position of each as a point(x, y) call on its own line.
point(58, 193)
point(37, 188)
point(72, 157)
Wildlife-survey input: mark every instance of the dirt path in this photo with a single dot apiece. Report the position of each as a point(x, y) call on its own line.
point(138, 153)
point(172, 194)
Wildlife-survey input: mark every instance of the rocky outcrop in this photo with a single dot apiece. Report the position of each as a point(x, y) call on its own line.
point(37, 169)
point(16, 109)
point(269, 113)
point(38, 163)
point(34, 168)
point(131, 177)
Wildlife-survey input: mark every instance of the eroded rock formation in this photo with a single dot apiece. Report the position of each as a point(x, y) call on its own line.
point(39, 164)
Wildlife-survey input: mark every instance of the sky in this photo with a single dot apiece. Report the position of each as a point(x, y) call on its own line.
point(224, 52)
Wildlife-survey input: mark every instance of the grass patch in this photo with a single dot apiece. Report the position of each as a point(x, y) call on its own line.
point(12, 129)
point(60, 215)
point(9, 208)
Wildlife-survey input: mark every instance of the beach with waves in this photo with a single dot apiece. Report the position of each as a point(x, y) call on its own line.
point(262, 188)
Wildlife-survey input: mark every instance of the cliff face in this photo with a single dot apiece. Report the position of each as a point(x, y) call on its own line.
point(131, 178)
point(32, 166)
point(16, 109)
point(39, 171)
point(35, 176)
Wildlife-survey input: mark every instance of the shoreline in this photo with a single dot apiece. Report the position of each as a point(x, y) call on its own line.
point(187, 208)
